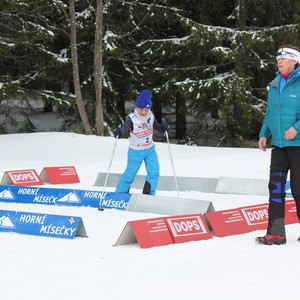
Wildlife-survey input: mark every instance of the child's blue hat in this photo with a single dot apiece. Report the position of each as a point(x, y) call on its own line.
point(144, 99)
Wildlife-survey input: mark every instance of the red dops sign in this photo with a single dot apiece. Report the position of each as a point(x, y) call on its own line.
point(188, 228)
point(21, 177)
point(246, 219)
point(164, 231)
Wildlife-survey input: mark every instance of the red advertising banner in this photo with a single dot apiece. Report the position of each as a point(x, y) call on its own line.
point(164, 231)
point(291, 212)
point(148, 233)
point(21, 177)
point(59, 175)
point(246, 219)
point(188, 228)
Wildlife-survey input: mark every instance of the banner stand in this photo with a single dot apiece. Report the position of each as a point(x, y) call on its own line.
point(126, 237)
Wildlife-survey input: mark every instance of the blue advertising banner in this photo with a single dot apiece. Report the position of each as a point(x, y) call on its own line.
point(59, 196)
point(58, 226)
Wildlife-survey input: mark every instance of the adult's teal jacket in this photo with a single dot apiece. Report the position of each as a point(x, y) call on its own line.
point(283, 110)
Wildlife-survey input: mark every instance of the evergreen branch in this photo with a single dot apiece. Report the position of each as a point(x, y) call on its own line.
point(137, 27)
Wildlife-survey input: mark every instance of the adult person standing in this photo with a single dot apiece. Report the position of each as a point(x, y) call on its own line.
point(282, 122)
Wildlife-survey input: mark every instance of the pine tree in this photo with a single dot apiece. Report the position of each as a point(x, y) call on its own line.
point(33, 57)
point(208, 63)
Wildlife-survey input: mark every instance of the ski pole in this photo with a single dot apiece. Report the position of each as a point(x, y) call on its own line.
point(107, 173)
point(167, 137)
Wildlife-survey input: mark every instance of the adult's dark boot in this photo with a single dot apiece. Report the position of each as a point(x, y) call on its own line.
point(271, 239)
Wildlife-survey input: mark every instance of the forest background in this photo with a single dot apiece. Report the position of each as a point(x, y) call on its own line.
point(208, 63)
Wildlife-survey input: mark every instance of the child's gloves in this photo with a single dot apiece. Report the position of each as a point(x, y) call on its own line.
point(164, 126)
point(118, 133)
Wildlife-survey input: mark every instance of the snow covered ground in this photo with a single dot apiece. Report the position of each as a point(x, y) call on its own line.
point(91, 268)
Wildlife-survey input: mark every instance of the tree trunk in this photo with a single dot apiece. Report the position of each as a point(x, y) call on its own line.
point(98, 67)
point(241, 21)
point(79, 101)
point(180, 118)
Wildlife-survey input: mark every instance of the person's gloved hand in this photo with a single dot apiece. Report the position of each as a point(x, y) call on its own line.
point(118, 133)
point(164, 126)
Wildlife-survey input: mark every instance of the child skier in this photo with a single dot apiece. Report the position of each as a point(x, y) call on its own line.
point(141, 123)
